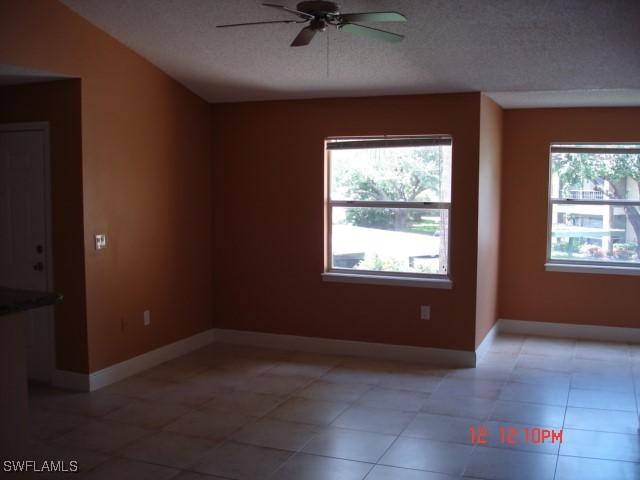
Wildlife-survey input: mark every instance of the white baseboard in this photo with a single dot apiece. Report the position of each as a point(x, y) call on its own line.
point(119, 371)
point(569, 330)
point(330, 346)
point(486, 343)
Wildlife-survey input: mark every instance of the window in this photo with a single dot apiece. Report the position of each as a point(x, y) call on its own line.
point(388, 208)
point(594, 206)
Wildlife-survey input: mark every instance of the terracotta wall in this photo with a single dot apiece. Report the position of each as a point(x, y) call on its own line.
point(146, 182)
point(488, 216)
point(527, 291)
point(269, 210)
point(59, 104)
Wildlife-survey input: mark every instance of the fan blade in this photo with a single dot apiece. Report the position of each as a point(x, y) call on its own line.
point(304, 37)
point(373, 17)
point(372, 32)
point(256, 23)
point(290, 10)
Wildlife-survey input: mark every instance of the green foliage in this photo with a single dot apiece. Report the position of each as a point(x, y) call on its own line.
point(624, 251)
point(576, 168)
point(392, 174)
point(594, 251)
point(390, 264)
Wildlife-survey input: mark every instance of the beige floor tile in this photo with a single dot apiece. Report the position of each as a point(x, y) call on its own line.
point(507, 343)
point(503, 464)
point(602, 351)
point(103, 436)
point(93, 404)
point(381, 472)
point(248, 403)
point(339, 392)
point(275, 384)
point(147, 414)
point(417, 382)
point(601, 367)
point(610, 383)
point(405, 400)
point(303, 410)
point(191, 393)
point(602, 445)
point(210, 424)
point(547, 395)
point(602, 420)
point(241, 462)
point(543, 362)
point(48, 425)
point(349, 444)
point(271, 433)
point(441, 428)
point(348, 374)
point(528, 413)
point(570, 468)
point(602, 399)
point(311, 467)
point(169, 449)
point(534, 376)
point(551, 347)
point(123, 469)
point(420, 454)
point(469, 388)
point(467, 407)
point(391, 422)
point(139, 386)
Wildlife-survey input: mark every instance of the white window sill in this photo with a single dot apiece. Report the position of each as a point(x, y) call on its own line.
point(445, 283)
point(602, 269)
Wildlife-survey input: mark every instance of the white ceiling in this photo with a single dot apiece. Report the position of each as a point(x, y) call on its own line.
point(524, 46)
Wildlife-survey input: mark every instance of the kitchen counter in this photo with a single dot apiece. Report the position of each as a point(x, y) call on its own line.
point(13, 300)
point(14, 409)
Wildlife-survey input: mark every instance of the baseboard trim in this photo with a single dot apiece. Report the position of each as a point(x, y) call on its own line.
point(486, 343)
point(122, 370)
point(570, 330)
point(331, 346)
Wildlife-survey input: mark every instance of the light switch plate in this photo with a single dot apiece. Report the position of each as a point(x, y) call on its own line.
point(101, 241)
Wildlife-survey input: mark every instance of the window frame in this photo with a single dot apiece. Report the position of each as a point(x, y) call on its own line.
point(350, 275)
point(585, 266)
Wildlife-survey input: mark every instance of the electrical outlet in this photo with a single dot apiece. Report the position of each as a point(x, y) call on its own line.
point(101, 241)
point(147, 318)
point(425, 312)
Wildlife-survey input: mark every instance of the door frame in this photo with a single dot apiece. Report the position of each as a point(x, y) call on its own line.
point(48, 225)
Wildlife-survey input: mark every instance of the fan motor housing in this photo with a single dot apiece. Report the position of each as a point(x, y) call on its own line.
point(318, 8)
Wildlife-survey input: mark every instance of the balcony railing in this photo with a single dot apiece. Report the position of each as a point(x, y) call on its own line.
point(585, 195)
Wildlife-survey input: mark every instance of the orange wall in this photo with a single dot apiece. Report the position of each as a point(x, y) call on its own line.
point(269, 211)
point(59, 104)
point(488, 216)
point(146, 182)
point(527, 291)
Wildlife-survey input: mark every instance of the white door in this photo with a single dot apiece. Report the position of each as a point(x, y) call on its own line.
point(24, 238)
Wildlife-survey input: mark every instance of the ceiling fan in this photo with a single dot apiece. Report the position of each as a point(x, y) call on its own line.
point(319, 15)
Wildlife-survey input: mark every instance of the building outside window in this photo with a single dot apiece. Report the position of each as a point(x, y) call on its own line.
point(388, 206)
point(594, 205)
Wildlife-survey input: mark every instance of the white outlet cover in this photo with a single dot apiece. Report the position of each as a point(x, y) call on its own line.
point(101, 241)
point(425, 312)
point(147, 317)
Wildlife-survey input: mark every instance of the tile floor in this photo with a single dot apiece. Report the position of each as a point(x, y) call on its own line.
point(246, 413)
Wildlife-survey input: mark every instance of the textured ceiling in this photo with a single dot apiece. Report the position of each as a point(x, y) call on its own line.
point(450, 46)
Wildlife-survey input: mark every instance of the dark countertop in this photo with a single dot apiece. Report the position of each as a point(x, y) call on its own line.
point(13, 300)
